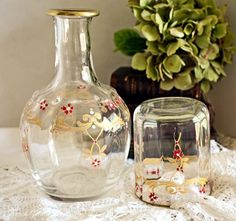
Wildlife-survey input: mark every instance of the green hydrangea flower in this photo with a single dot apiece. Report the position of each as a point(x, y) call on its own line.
point(179, 43)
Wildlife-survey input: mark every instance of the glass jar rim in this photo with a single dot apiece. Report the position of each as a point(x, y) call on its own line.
point(75, 12)
point(168, 104)
point(186, 100)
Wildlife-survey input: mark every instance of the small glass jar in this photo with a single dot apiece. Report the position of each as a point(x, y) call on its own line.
point(172, 149)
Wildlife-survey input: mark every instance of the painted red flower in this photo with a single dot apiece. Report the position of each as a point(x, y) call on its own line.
point(153, 172)
point(96, 163)
point(67, 109)
point(180, 168)
point(202, 189)
point(43, 105)
point(138, 188)
point(25, 147)
point(110, 105)
point(118, 101)
point(178, 154)
point(153, 197)
point(81, 86)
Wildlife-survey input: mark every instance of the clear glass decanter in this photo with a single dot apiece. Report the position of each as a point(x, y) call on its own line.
point(75, 132)
point(172, 150)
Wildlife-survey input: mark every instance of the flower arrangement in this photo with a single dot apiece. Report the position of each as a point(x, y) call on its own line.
point(178, 43)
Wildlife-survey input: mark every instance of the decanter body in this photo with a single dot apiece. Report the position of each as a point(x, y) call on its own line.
point(75, 132)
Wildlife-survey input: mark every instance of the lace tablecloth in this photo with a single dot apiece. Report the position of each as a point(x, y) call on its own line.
point(21, 200)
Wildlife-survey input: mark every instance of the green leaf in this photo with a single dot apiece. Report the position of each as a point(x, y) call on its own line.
point(184, 14)
point(144, 3)
point(160, 72)
point(139, 61)
point(151, 71)
point(157, 72)
point(202, 62)
point(173, 47)
point(210, 74)
point(152, 47)
point(133, 3)
point(146, 15)
point(206, 24)
point(176, 2)
point(194, 48)
point(220, 30)
point(173, 63)
point(158, 20)
point(188, 48)
point(200, 28)
point(211, 52)
point(188, 29)
point(209, 20)
point(137, 14)
point(163, 10)
point(180, 15)
point(202, 41)
point(166, 73)
point(188, 5)
point(184, 45)
point(218, 68)
point(177, 32)
point(160, 5)
point(205, 86)
point(227, 57)
point(150, 33)
point(129, 42)
point(167, 85)
point(183, 81)
point(139, 26)
point(162, 47)
point(204, 3)
point(198, 73)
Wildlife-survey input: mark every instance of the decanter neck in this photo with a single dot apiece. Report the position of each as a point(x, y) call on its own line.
point(73, 57)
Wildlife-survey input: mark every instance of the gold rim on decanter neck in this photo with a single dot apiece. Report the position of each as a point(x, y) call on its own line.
point(87, 13)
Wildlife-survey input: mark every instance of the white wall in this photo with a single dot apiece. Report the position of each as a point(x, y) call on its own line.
point(223, 95)
point(27, 53)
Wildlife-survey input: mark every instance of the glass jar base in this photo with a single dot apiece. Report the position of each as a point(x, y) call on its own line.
point(78, 183)
point(75, 198)
point(165, 195)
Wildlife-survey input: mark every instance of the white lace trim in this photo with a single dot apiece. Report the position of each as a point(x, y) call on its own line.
point(20, 199)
